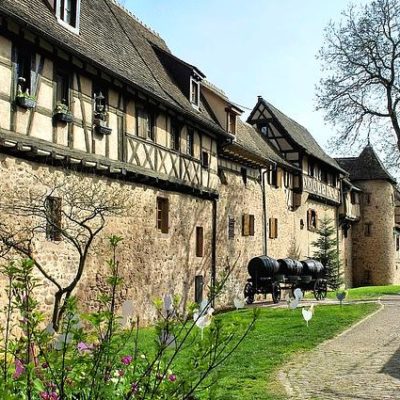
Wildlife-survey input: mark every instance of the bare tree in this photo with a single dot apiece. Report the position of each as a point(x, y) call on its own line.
point(361, 61)
point(64, 211)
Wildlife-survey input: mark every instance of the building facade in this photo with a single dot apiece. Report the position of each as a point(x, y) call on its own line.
point(91, 97)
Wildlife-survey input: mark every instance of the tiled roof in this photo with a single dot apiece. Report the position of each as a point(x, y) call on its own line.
point(367, 166)
point(300, 135)
point(115, 41)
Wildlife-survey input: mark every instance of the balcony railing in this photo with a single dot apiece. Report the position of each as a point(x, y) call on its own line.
point(314, 186)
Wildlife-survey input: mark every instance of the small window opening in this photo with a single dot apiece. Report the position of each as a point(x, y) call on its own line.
point(195, 92)
point(175, 136)
point(205, 159)
point(312, 220)
point(243, 172)
point(231, 228)
point(199, 241)
point(162, 214)
point(190, 142)
point(247, 225)
point(273, 228)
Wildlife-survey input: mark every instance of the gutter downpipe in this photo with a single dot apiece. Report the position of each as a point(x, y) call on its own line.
point(214, 247)
point(265, 206)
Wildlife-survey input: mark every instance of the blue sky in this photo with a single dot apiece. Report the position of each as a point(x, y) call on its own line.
point(251, 48)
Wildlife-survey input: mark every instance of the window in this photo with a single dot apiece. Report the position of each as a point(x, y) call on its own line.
point(311, 168)
point(194, 92)
point(355, 198)
point(67, 12)
point(273, 177)
point(247, 225)
point(162, 214)
point(264, 130)
point(222, 176)
point(199, 242)
point(231, 228)
point(243, 172)
point(190, 142)
point(368, 229)
point(62, 87)
point(53, 215)
point(205, 160)
point(145, 123)
point(397, 242)
point(198, 288)
point(367, 197)
point(324, 176)
point(231, 122)
point(175, 136)
point(273, 228)
point(286, 179)
point(312, 220)
point(24, 70)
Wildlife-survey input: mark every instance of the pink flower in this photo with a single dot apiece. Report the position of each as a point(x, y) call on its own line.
point(134, 387)
point(126, 360)
point(19, 368)
point(82, 347)
point(49, 396)
point(172, 378)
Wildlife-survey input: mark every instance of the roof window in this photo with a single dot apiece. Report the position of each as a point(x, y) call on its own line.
point(68, 13)
point(194, 92)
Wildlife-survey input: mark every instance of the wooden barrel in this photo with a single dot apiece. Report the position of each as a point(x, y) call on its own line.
point(312, 267)
point(291, 267)
point(262, 267)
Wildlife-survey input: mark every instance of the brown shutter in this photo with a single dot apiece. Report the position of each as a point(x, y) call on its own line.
point(165, 216)
point(245, 225)
point(270, 229)
point(251, 225)
point(276, 228)
point(199, 241)
point(309, 219)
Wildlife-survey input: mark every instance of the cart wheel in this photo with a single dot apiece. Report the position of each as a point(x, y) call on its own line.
point(320, 289)
point(276, 292)
point(249, 293)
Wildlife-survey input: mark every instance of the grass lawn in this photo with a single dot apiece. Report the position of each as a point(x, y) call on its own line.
point(249, 374)
point(368, 292)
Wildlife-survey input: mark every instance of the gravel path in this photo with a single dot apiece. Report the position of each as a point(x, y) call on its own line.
point(363, 363)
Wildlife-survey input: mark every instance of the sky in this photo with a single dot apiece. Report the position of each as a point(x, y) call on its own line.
point(251, 48)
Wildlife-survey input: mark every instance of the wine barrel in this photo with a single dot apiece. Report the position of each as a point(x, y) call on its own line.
point(262, 267)
point(291, 267)
point(312, 267)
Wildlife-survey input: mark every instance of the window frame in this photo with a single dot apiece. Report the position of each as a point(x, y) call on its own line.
point(194, 92)
point(25, 59)
point(146, 118)
point(60, 10)
point(62, 79)
point(175, 136)
point(312, 215)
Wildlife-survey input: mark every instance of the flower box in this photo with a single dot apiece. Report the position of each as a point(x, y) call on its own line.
point(63, 116)
point(26, 102)
point(100, 126)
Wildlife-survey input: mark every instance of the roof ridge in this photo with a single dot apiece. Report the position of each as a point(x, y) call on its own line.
point(132, 15)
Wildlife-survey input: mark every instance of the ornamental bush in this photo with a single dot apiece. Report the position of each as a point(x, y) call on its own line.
point(95, 357)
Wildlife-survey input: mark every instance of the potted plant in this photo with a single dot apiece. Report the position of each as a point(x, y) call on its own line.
point(24, 99)
point(61, 113)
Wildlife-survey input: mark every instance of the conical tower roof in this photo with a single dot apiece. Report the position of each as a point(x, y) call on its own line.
point(367, 166)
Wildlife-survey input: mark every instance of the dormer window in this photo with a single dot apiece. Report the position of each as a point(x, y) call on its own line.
point(231, 123)
point(68, 13)
point(194, 92)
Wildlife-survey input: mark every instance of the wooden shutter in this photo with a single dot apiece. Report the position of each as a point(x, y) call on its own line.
point(231, 228)
point(199, 242)
point(245, 224)
point(273, 228)
point(309, 214)
point(251, 225)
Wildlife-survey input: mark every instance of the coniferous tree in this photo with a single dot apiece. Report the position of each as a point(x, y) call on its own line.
point(327, 252)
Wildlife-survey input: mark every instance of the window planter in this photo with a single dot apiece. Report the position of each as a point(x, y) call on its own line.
point(101, 127)
point(63, 116)
point(26, 102)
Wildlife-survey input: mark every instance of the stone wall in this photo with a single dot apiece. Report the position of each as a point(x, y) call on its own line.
point(236, 199)
point(373, 254)
point(152, 263)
